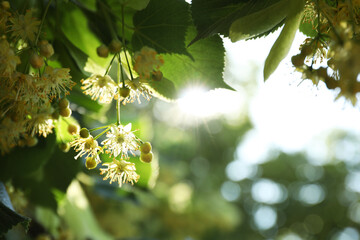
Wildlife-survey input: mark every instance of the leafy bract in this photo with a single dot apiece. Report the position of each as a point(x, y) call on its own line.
point(162, 26)
point(282, 45)
point(204, 68)
point(259, 22)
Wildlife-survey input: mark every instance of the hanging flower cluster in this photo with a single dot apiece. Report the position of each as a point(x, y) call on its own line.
point(337, 26)
point(30, 90)
point(120, 140)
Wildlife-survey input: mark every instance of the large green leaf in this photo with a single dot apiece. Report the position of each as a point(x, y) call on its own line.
point(259, 22)
point(216, 16)
point(162, 26)
point(164, 89)
point(135, 4)
point(205, 68)
point(75, 26)
point(210, 15)
point(282, 45)
point(42, 186)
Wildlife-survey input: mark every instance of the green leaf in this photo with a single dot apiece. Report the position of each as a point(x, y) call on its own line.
point(135, 4)
point(75, 26)
point(207, 15)
point(8, 217)
point(43, 187)
point(259, 22)
point(216, 16)
point(89, 4)
point(76, 212)
point(162, 26)
point(163, 89)
point(205, 68)
point(22, 161)
point(282, 45)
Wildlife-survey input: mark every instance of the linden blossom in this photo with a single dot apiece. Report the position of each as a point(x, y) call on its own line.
point(120, 171)
point(138, 87)
point(87, 146)
point(98, 86)
point(146, 61)
point(120, 140)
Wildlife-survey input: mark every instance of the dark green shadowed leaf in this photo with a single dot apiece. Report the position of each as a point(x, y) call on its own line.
point(162, 26)
point(23, 161)
point(43, 186)
point(259, 22)
point(8, 217)
point(205, 69)
point(135, 4)
point(207, 13)
point(224, 13)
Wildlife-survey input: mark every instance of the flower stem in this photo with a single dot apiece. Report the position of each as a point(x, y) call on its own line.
point(100, 134)
point(42, 21)
point(121, 72)
point(98, 128)
point(110, 64)
point(118, 101)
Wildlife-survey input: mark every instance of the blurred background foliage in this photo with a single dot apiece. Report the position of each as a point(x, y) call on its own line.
point(203, 183)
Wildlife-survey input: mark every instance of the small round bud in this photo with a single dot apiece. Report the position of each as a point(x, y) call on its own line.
point(46, 50)
point(65, 112)
point(65, 147)
point(145, 147)
point(146, 157)
point(322, 72)
point(307, 50)
point(124, 92)
point(14, 117)
point(331, 83)
point(5, 5)
point(63, 103)
point(73, 129)
point(90, 163)
point(115, 46)
point(22, 143)
point(36, 61)
point(298, 60)
point(84, 133)
point(55, 115)
point(42, 42)
point(102, 51)
point(31, 141)
point(157, 75)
